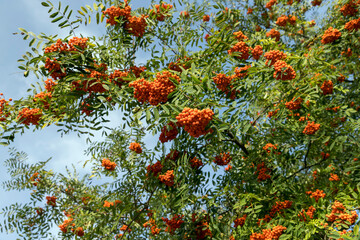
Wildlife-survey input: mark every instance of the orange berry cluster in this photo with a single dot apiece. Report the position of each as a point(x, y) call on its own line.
point(273, 113)
point(249, 11)
point(240, 72)
point(268, 234)
point(240, 36)
point(347, 53)
point(195, 121)
point(184, 14)
point(51, 200)
point(273, 34)
point(222, 159)
point(353, 25)
point(155, 168)
point(240, 221)
point(202, 230)
point(135, 147)
point(167, 178)
point(339, 215)
point(268, 146)
point(273, 56)
point(279, 206)
point(43, 98)
point(222, 81)
point(154, 92)
point(153, 227)
point(110, 204)
point(311, 128)
point(309, 213)
point(27, 116)
point(317, 194)
point(330, 35)
point(54, 68)
point(125, 228)
point(256, 52)
point(174, 223)
point(136, 25)
point(293, 105)
point(161, 11)
point(334, 177)
point(316, 2)
point(242, 48)
point(137, 70)
point(168, 132)
point(183, 62)
point(108, 165)
point(35, 177)
point(270, 3)
point(64, 226)
point(281, 74)
point(117, 77)
point(196, 163)
point(262, 171)
point(49, 85)
point(283, 20)
point(78, 231)
point(327, 87)
point(3, 104)
point(206, 18)
point(349, 9)
point(325, 155)
point(113, 13)
point(73, 45)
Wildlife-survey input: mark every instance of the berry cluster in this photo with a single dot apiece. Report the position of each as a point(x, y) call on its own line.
point(136, 25)
point(113, 13)
point(273, 113)
point(196, 163)
point(270, 3)
point(273, 56)
point(206, 18)
point(267, 234)
point(327, 87)
point(195, 121)
point(349, 9)
point(316, 2)
point(240, 221)
point(108, 165)
point(74, 44)
point(27, 116)
point(64, 226)
point(135, 147)
point(49, 85)
point(110, 204)
point(35, 178)
point(161, 11)
point(172, 155)
point(51, 200)
point(293, 105)
point(174, 223)
point(43, 98)
point(283, 71)
point(137, 70)
point(311, 128)
point(308, 214)
point(262, 171)
point(3, 103)
point(223, 159)
point(167, 178)
point(339, 215)
point(125, 228)
point(242, 48)
point(268, 147)
point(117, 77)
point(153, 227)
point(273, 34)
point(240, 72)
point(54, 68)
point(184, 14)
point(283, 20)
point(240, 36)
point(256, 52)
point(279, 206)
point(334, 177)
point(353, 25)
point(168, 132)
point(155, 168)
point(330, 35)
point(317, 194)
point(184, 63)
point(154, 92)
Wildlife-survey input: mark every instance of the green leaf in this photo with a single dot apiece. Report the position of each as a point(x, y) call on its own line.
point(57, 19)
point(45, 4)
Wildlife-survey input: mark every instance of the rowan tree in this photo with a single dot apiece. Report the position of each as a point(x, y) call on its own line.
point(254, 106)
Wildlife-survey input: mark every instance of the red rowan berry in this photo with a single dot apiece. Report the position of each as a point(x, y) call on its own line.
point(135, 147)
point(108, 165)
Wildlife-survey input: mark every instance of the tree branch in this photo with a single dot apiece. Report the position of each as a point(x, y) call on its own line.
point(237, 142)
